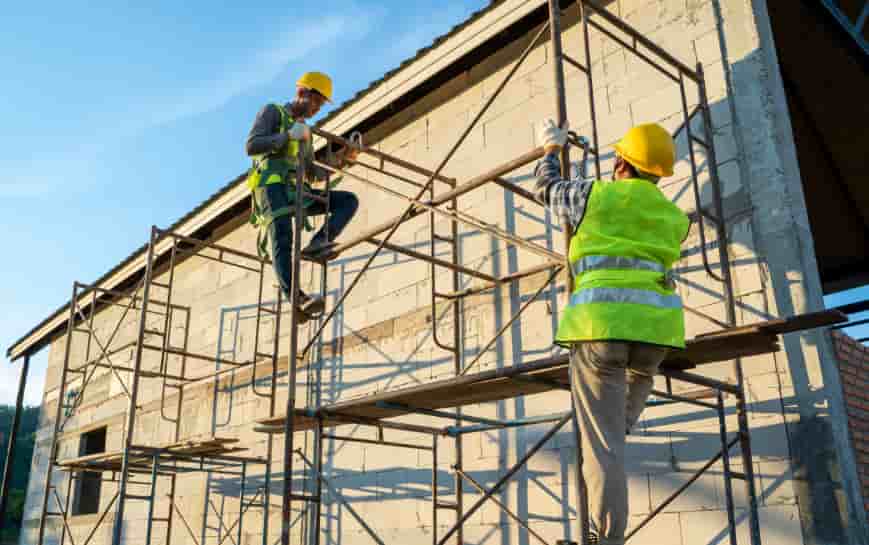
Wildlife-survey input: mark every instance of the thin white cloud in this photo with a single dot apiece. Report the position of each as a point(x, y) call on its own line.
point(72, 170)
point(297, 42)
point(62, 172)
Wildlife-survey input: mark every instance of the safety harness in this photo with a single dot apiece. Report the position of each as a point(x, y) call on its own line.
point(275, 168)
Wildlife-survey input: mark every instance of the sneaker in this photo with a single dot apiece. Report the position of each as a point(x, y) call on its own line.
point(319, 252)
point(312, 305)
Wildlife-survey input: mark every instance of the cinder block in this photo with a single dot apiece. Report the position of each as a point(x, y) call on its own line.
point(612, 126)
point(708, 527)
point(699, 18)
point(707, 48)
point(502, 62)
point(548, 495)
point(780, 524)
point(775, 483)
point(694, 284)
point(508, 135)
point(703, 494)
point(659, 105)
point(552, 531)
point(769, 439)
point(482, 534)
point(648, 453)
point(664, 528)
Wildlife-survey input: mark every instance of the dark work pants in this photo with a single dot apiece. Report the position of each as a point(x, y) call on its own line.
point(342, 207)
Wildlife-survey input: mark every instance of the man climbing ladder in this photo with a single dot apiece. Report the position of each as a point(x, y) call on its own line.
point(623, 315)
point(274, 142)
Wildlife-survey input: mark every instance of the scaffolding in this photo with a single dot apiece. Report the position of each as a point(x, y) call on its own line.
point(153, 300)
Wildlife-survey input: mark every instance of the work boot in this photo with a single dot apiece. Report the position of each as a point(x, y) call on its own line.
point(309, 306)
point(319, 252)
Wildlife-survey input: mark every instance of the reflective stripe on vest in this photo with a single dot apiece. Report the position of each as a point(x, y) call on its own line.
point(596, 262)
point(625, 295)
point(621, 254)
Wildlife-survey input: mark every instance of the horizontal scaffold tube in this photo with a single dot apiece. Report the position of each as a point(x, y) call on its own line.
point(460, 190)
point(383, 156)
point(454, 216)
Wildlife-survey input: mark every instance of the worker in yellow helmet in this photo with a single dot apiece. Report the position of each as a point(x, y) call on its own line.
point(274, 142)
point(624, 315)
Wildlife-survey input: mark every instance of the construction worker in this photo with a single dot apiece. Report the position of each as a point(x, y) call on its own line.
point(273, 143)
point(623, 316)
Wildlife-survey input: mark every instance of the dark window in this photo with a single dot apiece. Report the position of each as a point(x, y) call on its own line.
point(89, 483)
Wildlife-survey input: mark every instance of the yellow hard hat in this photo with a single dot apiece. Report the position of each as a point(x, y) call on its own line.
point(649, 148)
point(317, 81)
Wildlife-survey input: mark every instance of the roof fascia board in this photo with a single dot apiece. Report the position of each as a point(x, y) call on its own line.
point(433, 61)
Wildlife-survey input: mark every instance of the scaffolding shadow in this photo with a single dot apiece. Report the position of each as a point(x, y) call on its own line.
point(322, 414)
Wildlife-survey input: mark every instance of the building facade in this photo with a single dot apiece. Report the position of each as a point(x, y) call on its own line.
point(386, 334)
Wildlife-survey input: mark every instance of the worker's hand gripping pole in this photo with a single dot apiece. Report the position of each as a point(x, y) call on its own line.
point(582, 142)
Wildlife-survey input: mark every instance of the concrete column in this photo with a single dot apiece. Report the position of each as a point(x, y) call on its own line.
point(828, 490)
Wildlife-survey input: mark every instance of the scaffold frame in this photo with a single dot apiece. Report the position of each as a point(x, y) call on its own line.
point(721, 344)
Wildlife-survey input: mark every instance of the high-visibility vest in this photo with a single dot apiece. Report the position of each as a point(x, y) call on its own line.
point(275, 168)
point(621, 255)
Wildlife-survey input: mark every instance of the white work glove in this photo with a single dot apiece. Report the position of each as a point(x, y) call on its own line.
point(551, 137)
point(299, 131)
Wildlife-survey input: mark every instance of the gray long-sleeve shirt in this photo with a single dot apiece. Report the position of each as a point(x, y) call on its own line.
point(564, 198)
point(265, 136)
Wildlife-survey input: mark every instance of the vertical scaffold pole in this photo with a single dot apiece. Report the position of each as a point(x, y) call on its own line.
point(241, 500)
point(458, 350)
point(315, 378)
point(434, 489)
point(170, 503)
point(561, 112)
point(52, 451)
point(152, 494)
point(289, 421)
point(270, 441)
point(455, 349)
point(730, 304)
point(725, 467)
point(318, 480)
point(592, 108)
point(134, 389)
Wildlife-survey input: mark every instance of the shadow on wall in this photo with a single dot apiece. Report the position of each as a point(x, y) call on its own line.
point(658, 452)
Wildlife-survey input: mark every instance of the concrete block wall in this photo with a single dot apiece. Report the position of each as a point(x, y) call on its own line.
point(853, 361)
point(382, 338)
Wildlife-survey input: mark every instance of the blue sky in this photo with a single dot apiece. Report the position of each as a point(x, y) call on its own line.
point(117, 116)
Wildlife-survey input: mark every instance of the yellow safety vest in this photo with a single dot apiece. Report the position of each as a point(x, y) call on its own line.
point(621, 255)
point(275, 168)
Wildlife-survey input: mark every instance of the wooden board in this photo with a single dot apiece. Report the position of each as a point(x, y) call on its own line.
point(547, 374)
point(141, 458)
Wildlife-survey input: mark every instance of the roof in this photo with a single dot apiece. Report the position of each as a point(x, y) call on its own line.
point(419, 53)
point(230, 195)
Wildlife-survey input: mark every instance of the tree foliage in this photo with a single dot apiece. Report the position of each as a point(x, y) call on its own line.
point(21, 469)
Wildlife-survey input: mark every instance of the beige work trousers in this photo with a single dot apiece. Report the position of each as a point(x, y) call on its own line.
point(611, 382)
